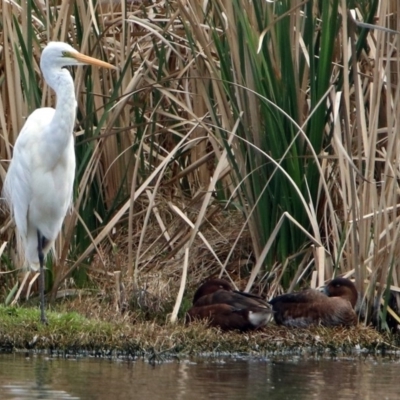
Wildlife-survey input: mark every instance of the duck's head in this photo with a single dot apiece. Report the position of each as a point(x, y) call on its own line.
point(211, 286)
point(344, 288)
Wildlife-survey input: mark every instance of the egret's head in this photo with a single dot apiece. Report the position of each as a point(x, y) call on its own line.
point(58, 55)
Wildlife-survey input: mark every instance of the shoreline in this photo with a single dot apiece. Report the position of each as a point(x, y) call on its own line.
point(71, 333)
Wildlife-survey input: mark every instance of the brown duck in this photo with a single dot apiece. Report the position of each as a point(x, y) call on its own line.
point(335, 306)
point(228, 309)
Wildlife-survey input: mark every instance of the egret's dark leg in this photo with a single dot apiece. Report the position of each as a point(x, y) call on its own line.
point(41, 245)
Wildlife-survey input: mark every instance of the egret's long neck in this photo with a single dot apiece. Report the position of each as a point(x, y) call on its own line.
point(62, 124)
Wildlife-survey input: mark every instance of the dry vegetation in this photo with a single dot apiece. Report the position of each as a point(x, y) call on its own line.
point(258, 141)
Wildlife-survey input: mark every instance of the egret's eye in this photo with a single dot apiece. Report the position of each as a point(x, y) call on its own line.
point(65, 54)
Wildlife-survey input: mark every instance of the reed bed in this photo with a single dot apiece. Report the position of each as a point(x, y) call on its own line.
point(255, 139)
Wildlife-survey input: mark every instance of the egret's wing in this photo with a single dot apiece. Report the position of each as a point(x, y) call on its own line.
point(18, 182)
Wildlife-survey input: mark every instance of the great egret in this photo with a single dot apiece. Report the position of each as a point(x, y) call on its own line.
point(39, 182)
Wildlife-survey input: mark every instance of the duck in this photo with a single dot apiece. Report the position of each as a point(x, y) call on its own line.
point(217, 302)
point(332, 307)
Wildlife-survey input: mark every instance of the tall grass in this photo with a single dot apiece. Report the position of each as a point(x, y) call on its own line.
point(285, 111)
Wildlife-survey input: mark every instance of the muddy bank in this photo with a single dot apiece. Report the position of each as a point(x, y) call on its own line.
point(71, 333)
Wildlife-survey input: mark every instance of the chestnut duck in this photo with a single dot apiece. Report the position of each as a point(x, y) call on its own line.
point(335, 306)
point(228, 309)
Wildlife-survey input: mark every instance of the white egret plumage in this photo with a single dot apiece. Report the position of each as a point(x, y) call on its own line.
point(39, 182)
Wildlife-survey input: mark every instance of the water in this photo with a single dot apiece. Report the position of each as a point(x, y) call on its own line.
point(294, 378)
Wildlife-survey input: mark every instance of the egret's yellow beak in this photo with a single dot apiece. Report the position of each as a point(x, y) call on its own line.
point(90, 60)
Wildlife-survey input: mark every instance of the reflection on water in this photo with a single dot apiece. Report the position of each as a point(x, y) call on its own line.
point(40, 377)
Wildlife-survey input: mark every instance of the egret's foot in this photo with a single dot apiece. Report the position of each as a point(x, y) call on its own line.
point(43, 320)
